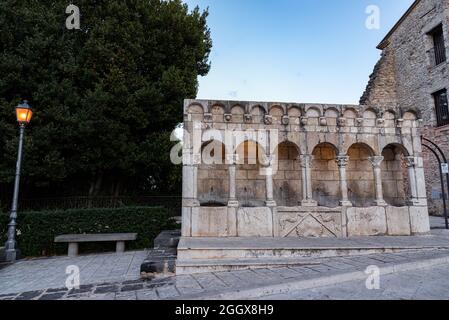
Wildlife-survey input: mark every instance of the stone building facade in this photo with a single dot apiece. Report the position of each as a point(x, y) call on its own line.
point(412, 74)
point(281, 170)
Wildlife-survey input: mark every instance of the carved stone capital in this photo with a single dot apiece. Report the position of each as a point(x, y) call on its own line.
point(342, 161)
point(380, 122)
point(410, 162)
point(341, 122)
point(323, 121)
point(376, 161)
point(305, 161)
point(228, 117)
point(285, 120)
point(304, 121)
point(268, 120)
point(208, 117)
point(248, 118)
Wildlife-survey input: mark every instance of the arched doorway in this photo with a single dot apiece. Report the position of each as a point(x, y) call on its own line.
point(325, 176)
point(213, 176)
point(395, 184)
point(287, 180)
point(250, 183)
point(360, 176)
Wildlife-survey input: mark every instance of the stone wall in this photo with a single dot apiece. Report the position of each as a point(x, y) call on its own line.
point(406, 76)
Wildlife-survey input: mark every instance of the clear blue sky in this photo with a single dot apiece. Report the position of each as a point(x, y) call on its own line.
point(293, 50)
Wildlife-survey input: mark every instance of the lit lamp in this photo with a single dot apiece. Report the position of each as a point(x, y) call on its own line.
point(24, 113)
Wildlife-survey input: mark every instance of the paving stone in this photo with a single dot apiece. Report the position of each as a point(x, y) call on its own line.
point(147, 295)
point(52, 296)
point(106, 289)
point(167, 292)
point(29, 295)
point(126, 296)
point(132, 287)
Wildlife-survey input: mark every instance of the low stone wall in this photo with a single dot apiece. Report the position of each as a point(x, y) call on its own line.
point(300, 222)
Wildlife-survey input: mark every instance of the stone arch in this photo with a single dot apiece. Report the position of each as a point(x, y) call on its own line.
point(389, 117)
point(395, 182)
point(258, 113)
point(410, 119)
point(261, 109)
point(360, 175)
point(313, 112)
point(331, 114)
point(325, 175)
point(287, 180)
point(250, 182)
point(238, 113)
point(195, 108)
point(369, 117)
point(277, 112)
point(350, 114)
point(294, 111)
point(237, 109)
point(213, 175)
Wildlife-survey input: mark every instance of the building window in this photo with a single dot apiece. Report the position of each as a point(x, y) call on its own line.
point(438, 51)
point(441, 107)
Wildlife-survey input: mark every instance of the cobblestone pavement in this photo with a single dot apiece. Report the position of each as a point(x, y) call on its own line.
point(112, 276)
point(40, 274)
point(423, 284)
point(227, 284)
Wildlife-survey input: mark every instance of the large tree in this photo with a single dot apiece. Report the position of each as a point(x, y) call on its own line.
point(106, 97)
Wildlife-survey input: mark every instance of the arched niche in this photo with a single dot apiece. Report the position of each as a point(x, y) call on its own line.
point(360, 175)
point(390, 119)
point(238, 113)
point(331, 115)
point(277, 112)
point(369, 118)
point(313, 115)
point(250, 183)
point(325, 176)
point(217, 112)
point(258, 113)
point(395, 184)
point(350, 115)
point(196, 112)
point(213, 176)
point(410, 119)
point(287, 185)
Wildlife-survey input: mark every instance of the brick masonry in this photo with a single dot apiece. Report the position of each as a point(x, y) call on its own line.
point(405, 78)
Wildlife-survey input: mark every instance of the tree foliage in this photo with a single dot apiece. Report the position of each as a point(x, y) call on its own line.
point(106, 97)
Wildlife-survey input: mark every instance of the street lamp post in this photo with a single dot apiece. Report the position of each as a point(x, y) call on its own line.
point(24, 115)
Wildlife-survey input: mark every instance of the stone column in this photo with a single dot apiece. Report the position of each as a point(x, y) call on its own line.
point(417, 181)
point(306, 168)
point(269, 185)
point(410, 163)
point(342, 162)
point(190, 203)
point(376, 162)
point(232, 184)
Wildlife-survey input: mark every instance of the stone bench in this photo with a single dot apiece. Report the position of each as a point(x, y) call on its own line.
point(74, 239)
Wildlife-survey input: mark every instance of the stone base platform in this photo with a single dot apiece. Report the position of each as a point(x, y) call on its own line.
point(199, 255)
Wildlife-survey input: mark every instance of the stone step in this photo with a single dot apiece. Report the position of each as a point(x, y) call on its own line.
point(162, 259)
point(167, 239)
point(197, 255)
point(219, 265)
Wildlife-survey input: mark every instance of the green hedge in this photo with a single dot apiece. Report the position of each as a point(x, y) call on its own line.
point(36, 230)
